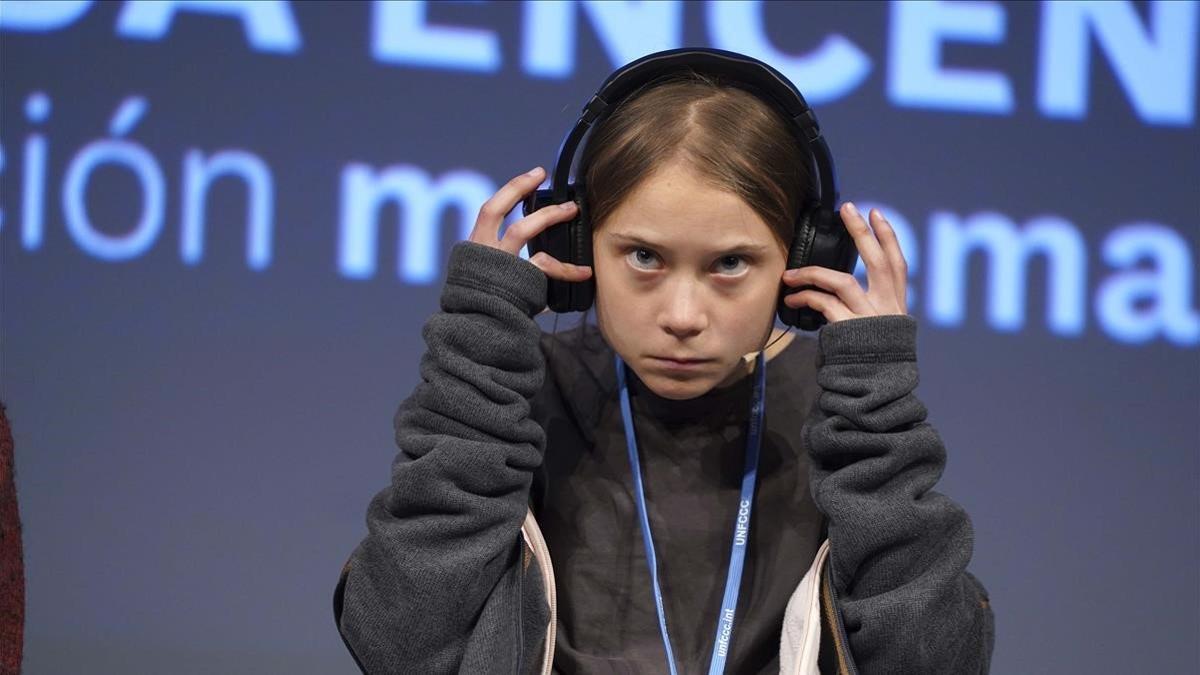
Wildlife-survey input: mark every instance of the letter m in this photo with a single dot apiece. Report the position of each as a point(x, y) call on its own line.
point(421, 202)
point(1008, 250)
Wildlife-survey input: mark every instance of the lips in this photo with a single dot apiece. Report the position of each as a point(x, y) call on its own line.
point(680, 361)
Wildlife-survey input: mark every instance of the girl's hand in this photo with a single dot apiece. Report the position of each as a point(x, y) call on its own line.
point(839, 295)
point(491, 215)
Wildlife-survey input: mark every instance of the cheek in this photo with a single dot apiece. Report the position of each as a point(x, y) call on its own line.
point(751, 312)
point(616, 287)
point(755, 295)
point(613, 302)
point(609, 290)
point(771, 285)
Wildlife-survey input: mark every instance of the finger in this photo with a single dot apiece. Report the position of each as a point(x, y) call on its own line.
point(841, 284)
point(556, 269)
point(879, 275)
point(519, 233)
point(828, 305)
point(491, 214)
point(895, 255)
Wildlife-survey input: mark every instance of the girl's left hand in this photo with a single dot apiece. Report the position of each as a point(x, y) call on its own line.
point(840, 296)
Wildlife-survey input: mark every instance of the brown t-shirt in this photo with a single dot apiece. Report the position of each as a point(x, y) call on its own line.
point(692, 455)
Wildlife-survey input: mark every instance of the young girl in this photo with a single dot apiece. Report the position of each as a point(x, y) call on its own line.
point(653, 493)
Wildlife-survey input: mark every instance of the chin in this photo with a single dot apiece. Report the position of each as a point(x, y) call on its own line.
point(677, 389)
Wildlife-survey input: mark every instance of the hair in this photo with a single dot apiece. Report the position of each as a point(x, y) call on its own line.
point(730, 137)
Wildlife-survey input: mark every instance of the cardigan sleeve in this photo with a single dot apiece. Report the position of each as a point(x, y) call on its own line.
point(440, 583)
point(898, 549)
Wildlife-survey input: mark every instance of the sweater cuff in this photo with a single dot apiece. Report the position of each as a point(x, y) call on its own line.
point(491, 270)
point(870, 339)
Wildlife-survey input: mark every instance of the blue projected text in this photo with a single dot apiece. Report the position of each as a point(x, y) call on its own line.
point(1154, 61)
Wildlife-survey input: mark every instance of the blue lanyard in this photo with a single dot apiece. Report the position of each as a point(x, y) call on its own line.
point(741, 526)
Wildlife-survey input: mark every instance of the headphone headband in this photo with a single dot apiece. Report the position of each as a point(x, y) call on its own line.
point(734, 69)
point(819, 236)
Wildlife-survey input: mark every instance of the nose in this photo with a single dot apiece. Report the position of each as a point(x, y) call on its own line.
point(683, 313)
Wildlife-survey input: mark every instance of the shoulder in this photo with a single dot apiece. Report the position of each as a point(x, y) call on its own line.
point(578, 358)
point(801, 354)
point(580, 375)
point(795, 366)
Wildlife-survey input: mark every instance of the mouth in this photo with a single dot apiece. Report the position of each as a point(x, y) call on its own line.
point(674, 363)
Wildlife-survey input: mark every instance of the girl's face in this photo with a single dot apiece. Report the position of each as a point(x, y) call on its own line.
point(687, 279)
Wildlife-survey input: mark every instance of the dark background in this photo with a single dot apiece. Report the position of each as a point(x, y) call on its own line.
point(196, 444)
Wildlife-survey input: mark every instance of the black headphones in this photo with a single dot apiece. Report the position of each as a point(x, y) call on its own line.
point(819, 236)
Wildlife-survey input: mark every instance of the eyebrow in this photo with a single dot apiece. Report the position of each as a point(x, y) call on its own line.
point(736, 247)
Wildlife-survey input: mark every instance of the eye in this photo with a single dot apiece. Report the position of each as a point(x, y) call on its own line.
point(642, 258)
point(731, 265)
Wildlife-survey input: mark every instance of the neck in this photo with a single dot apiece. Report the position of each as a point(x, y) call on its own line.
point(746, 365)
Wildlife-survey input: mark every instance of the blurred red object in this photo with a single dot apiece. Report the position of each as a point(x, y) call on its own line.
point(12, 565)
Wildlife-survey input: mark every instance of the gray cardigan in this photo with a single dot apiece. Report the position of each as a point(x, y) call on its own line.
point(444, 583)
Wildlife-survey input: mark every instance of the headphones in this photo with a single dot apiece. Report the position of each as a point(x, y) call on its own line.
point(819, 236)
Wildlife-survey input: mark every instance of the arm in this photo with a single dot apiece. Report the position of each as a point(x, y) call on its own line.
point(898, 550)
point(436, 586)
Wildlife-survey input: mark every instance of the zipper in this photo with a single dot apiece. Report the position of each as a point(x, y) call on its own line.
point(533, 537)
point(841, 642)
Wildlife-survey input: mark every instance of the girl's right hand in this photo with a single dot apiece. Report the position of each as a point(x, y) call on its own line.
point(491, 215)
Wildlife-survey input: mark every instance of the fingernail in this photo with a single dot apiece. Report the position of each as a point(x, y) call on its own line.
point(566, 206)
point(536, 170)
point(853, 209)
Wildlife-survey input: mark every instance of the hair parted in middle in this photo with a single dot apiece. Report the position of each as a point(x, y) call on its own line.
point(730, 137)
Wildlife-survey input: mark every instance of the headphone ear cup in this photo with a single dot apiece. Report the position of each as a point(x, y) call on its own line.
point(798, 255)
point(569, 242)
point(583, 293)
point(821, 239)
